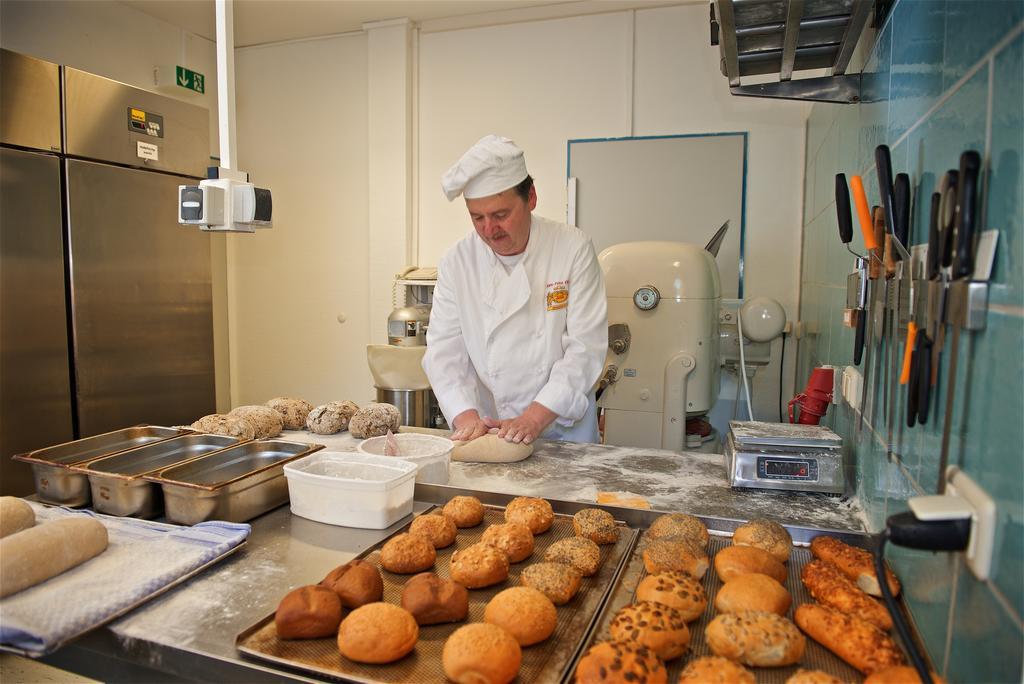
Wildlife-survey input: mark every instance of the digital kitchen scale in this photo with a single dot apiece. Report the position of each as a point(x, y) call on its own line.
point(806, 458)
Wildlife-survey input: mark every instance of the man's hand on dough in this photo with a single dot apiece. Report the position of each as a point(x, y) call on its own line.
point(469, 425)
point(527, 427)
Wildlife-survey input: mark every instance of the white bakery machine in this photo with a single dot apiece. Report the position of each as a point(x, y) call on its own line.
point(669, 338)
point(396, 367)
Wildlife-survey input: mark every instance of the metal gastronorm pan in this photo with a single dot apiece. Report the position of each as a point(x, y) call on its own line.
point(54, 480)
point(116, 481)
point(234, 484)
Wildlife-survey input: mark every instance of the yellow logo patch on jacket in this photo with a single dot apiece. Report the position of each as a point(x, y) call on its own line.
point(558, 295)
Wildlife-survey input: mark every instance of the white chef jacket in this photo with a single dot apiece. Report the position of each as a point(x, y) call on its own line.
point(499, 340)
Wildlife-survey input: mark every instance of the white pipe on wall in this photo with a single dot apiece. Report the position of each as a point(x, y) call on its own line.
point(226, 83)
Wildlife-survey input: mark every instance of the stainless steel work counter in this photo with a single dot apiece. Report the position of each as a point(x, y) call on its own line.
point(189, 633)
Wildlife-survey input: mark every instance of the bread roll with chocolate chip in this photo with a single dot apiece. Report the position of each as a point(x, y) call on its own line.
point(613, 662)
point(715, 670)
point(766, 535)
point(753, 591)
point(675, 590)
point(656, 626)
point(310, 612)
point(755, 638)
point(733, 561)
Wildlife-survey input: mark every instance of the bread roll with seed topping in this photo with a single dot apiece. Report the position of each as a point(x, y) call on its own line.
point(558, 581)
point(733, 561)
point(675, 590)
point(515, 539)
point(479, 565)
point(533, 512)
point(466, 511)
point(580, 553)
point(439, 530)
point(680, 554)
point(675, 525)
point(656, 626)
point(856, 564)
point(832, 588)
point(803, 676)
point(596, 525)
point(859, 643)
point(766, 535)
point(407, 553)
point(755, 638)
point(715, 670)
point(616, 662)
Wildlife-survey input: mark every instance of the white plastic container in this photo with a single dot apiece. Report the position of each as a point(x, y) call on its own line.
point(432, 454)
point(351, 489)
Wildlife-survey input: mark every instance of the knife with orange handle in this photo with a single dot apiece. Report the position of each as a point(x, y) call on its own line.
point(860, 200)
point(908, 352)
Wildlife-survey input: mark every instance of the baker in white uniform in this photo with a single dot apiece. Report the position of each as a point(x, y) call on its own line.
point(519, 326)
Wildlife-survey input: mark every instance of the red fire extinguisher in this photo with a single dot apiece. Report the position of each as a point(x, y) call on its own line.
point(814, 400)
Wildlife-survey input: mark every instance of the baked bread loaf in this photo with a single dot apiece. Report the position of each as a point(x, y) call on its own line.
point(753, 591)
point(515, 539)
point(432, 600)
point(310, 612)
point(523, 612)
point(755, 638)
point(733, 561)
point(32, 556)
point(832, 588)
point(596, 525)
point(656, 626)
point(856, 564)
point(374, 420)
point(15, 515)
point(407, 553)
point(620, 663)
point(679, 554)
point(715, 670)
point(331, 417)
point(227, 425)
point(580, 553)
point(466, 511)
point(766, 535)
point(439, 530)
point(675, 525)
point(356, 583)
point(900, 674)
point(558, 581)
point(481, 653)
point(859, 643)
point(266, 422)
point(479, 565)
point(293, 411)
point(533, 512)
point(377, 633)
point(675, 590)
point(803, 676)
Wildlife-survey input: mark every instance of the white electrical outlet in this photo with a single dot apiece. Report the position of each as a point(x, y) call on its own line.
point(852, 383)
point(983, 520)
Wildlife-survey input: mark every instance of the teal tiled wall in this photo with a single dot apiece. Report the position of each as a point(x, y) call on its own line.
point(942, 76)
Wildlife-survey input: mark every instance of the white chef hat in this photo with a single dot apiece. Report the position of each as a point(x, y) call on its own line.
point(492, 165)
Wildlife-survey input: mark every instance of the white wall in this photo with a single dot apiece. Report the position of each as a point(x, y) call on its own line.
point(648, 72)
point(301, 110)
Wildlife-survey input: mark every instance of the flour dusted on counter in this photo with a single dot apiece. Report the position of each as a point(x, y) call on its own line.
point(391, 446)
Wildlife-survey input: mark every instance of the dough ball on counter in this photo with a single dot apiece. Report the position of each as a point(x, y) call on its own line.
point(356, 583)
point(479, 653)
point(596, 525)
point(490, 448)
point(580, 553)
point(332, 417)
point(558, 581)
point(659, 628)
point(753, 591)
point(675, 525)
point(479, 566)
point(613, 661)
point(15, 515)
point(293, 411)
point(374, 420)
point(439, 530)
point(377, 633)
point(766, 535)
point(733, 561)
point(525, 613)
point(433, 600)
point(266, 422)
point(533, 512)
point(679, 554)
point(466, 511)
point(715, 669)
point(515, 539)
point(755, 638)
point(225, 424)
point(310, 612)
point(675, 590)
point(407, 553)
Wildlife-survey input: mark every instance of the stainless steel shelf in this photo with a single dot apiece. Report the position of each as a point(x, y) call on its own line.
point(758, 37)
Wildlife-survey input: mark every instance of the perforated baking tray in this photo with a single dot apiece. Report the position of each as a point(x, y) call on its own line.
point(547, 661)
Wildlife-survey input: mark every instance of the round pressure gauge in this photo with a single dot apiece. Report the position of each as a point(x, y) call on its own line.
point(646, 297)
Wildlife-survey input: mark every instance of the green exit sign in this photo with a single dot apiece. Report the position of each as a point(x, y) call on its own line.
point(193, 80)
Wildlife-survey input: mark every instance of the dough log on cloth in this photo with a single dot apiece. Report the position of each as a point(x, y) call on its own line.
point(15, 515)
point(39, 553)
point(490, 449)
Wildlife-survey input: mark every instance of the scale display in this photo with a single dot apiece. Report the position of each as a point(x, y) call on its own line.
point(787, 469)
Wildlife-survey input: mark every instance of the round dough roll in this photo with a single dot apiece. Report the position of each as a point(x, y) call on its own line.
point(490, 449)
point(15, 515)
point(44, 551)
point(265, 421)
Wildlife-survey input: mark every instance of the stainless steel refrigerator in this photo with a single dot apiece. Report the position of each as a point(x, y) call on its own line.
point(106, 316)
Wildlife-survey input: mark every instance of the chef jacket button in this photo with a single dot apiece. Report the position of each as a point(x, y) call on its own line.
point(540, 333)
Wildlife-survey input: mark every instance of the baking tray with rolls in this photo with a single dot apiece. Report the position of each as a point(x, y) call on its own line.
point(547, 661)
